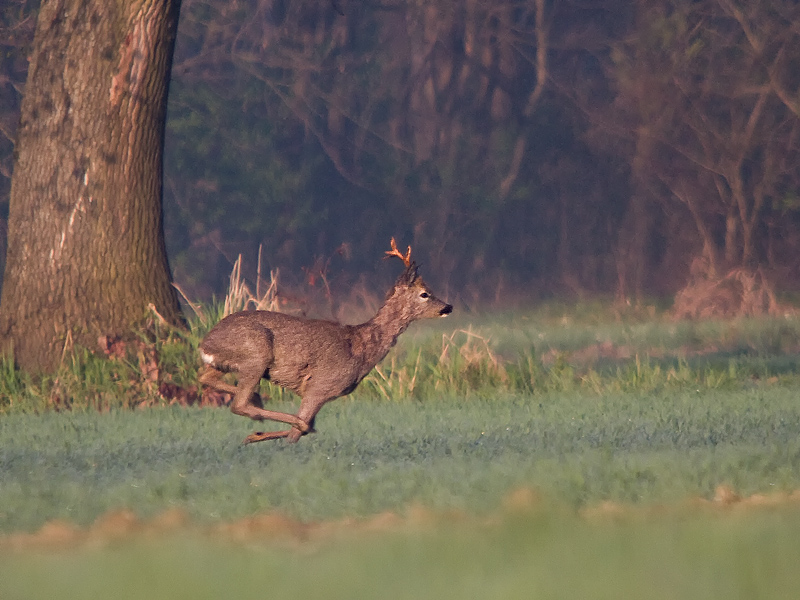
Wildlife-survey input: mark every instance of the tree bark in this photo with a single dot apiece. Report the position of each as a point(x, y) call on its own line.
point(86, 253)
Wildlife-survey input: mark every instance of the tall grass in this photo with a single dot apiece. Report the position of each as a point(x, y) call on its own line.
point(477, 357)
point(590, 347)
point(464, 363)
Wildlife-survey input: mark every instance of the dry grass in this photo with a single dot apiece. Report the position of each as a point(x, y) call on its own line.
point(240, 297)
point(739, 293)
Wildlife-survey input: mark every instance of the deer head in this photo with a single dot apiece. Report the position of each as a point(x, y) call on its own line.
point(411, 293)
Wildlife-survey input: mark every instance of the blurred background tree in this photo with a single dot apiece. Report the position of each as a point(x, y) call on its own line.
point(526, 149)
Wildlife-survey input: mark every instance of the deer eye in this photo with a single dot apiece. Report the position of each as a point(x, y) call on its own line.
point(424, 295)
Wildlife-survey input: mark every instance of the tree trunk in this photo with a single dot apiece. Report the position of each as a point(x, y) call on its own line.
point(86, 253)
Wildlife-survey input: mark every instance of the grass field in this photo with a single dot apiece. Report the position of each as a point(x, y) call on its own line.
point(377, 456)
point(584, 411)
point(551, 555)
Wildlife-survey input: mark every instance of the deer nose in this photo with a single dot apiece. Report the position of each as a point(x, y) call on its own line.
point(448, 308)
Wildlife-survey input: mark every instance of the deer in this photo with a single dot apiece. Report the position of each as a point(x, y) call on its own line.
point(318, 360)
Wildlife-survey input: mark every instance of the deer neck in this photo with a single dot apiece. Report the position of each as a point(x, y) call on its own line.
point(379, 334)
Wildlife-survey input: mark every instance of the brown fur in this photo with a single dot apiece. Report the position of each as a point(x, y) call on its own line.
point(318, 360)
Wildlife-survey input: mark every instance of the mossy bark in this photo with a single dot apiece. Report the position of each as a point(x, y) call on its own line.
point(86, 253)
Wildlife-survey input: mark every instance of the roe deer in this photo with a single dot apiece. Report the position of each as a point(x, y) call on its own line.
point(318, 360)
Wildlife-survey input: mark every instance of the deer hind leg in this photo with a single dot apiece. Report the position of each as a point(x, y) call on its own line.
point(212, 377)
point(308, 412)
point(242, 400)
point(250, 367)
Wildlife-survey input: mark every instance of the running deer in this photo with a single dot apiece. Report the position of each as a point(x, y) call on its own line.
point(318, 360)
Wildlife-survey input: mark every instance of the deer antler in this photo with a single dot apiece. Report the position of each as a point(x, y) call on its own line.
point(395, 252)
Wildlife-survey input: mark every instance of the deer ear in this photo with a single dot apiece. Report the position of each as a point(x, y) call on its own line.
point(409, 276)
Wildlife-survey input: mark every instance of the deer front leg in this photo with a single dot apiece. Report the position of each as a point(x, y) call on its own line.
point(308, 412)
point(292, 434)
point(259, 414)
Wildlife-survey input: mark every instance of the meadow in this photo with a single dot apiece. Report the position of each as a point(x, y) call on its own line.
point(664, 429)
point(546, 554)
point(372, 457)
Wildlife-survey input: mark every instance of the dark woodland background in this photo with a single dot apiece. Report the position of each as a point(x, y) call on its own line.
point(526, 149)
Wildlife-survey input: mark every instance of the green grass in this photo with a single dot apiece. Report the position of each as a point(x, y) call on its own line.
point(544, 554)
point(459, 414)
point(570, 328)
point(368, 457)
point(456, 416)
point(467, 355)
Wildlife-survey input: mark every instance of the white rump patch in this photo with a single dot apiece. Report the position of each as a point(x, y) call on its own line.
point(207, 358)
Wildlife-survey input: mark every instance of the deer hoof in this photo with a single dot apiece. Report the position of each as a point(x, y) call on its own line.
point(260, 436)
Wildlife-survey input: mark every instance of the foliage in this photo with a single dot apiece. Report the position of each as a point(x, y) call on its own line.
point(130, 373)
point(385, 136)
point(526, 149)
point(266, 178)
point(701, 99)
point(530, 354)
